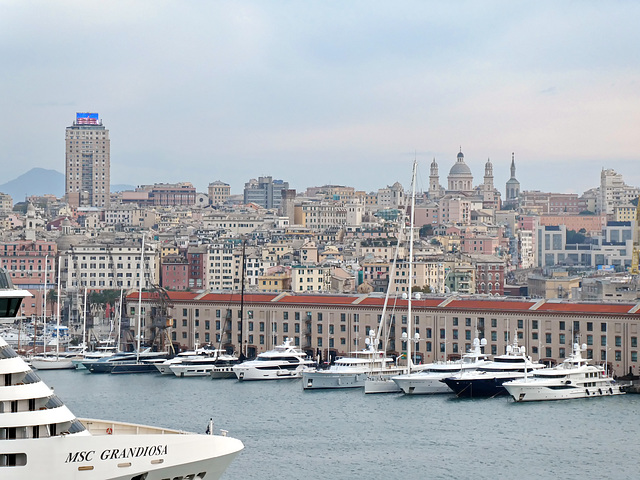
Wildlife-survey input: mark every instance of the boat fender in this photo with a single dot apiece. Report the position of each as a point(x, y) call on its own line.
point(600, 391)
point(611, 391)
point(587, 392)
point(109, 431)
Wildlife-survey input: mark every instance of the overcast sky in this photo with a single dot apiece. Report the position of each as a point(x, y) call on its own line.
point(316, 92)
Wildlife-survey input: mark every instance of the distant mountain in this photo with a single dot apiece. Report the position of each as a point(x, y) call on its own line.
point(122, 188)
point(40, 181)
point(37, 181)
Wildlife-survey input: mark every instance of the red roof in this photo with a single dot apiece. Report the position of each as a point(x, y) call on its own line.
point(317, 299)
point(401, 302)
point(236, 297)
point(500, 305)
point(609, 308)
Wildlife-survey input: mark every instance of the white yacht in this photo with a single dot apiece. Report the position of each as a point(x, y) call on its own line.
point(352, 371)
point(41, 438)
point(284, 361)
point(429, 380)
point(575, 377)
point(165, 367)
point(204, 366)
point(487, 380)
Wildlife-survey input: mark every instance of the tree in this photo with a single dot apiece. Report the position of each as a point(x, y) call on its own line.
point(426, 230)
point(423, 289)
point(574, 237)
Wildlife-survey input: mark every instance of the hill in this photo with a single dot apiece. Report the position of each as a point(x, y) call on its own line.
point(40, 181)
point(37, 181)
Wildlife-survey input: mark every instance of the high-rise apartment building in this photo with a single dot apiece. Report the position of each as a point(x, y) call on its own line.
point(88, 162)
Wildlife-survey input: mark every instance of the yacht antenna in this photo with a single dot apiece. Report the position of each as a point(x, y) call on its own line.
point(140, 299)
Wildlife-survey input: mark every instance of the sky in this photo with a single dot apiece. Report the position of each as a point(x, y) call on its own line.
point(326, 92)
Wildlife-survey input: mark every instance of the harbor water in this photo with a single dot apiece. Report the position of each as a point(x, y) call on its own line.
point(289, 433)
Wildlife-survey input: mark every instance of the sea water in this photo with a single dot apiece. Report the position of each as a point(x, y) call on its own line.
point(289, 433)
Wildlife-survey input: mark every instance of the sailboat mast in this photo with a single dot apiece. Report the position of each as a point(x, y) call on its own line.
point(140, 300)
point(242, 353)
point(409, 318)
point(84, 322)
point(119, 320)
point(44, 306)
point(58, 314)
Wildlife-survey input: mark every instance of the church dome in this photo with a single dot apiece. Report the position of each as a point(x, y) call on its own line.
point(460, 168)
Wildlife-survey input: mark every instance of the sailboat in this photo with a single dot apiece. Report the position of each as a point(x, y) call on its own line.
point(381, 382)
point(48, 361)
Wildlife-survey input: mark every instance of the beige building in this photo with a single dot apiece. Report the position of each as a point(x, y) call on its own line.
point(6, 204)
point(560, 285)
point(308, 278)
point(446, 325)
point(625, 213)
point(106, 266)
point(88, 162)
point(219, 193)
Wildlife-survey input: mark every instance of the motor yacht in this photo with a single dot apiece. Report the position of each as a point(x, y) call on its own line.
point(284, 361)
point(204, 366)
point(429, 380)
point(487, 380)
point(575, 377)
point(41, 438)
point(352, 371)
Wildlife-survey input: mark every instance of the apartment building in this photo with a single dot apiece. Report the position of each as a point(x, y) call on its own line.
point(104, 266)
point(87, 162)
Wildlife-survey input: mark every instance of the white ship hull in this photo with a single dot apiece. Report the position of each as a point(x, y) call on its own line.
point(52, 363)
point(381, 384)
point(536, 392)
point(158, 453)
point(253, 373)
point(323, 379)
point(191, 370)
point(423, 384)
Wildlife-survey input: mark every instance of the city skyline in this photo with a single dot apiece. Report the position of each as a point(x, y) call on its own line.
point(327, 93)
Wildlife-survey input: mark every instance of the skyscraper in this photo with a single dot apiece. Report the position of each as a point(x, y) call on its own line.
point(88, 162)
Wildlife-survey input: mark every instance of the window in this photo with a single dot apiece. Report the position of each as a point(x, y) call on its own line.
point(603, 327)
point(547, 339)
point(603, 340)
point(494, 336)
point(520, 323)
point(562, 338)
point(618, 341)
point(534, 324)
point(494, 323)
point(589, 326)
point(443, 333)
point(467, 334)
point(548, 352)
point(634, 341)
point(467, 322)
point(455, 333)
point(319, 329)
point(589, 339)
point(455, 321)
point(562, 325)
